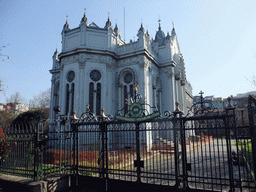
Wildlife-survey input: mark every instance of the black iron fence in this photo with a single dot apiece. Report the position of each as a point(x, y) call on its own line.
point(205, 151)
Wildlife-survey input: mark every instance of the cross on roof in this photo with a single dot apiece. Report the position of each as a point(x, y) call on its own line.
point(159, 21)
point(201, 93)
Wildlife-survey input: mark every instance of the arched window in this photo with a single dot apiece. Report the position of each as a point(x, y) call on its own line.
point(95, 92)
point(127, 81)
point(70, 92)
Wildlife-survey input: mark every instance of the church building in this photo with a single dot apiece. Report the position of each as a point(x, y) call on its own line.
point(97, 67)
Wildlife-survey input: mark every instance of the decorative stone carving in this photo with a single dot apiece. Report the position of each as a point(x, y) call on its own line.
point(110, 65)
point(144, 65)
point(168, 72)
point(81, 64)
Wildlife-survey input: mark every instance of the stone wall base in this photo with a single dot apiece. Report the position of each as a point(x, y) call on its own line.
point(55, 183)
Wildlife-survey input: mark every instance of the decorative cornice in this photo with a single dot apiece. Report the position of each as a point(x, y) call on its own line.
point(53, 71)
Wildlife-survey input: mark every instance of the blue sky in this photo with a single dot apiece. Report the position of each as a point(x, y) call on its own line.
point(217, 38)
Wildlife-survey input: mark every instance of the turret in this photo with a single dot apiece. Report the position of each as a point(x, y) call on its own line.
point(141, 36)
point(84, 20)
point(66, 26)
point(108, 24)
point(160, 36)
point(55, 58)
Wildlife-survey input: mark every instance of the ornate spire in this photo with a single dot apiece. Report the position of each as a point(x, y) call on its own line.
point(159, 21)
point(173, 30)
point(168, 37)
point(141, 28)
point(66, 26)
point(108, 23)
point(56, 52)
point(84, 19)
point(116, 30)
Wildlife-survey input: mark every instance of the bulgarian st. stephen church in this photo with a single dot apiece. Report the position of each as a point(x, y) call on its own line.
point(97, 67)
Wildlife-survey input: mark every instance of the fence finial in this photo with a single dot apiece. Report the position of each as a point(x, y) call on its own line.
point(103, 114)
point(177, 110)
point(74, 117)
point(230, 106)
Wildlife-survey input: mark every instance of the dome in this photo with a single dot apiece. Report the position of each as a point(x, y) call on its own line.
point(160, 35)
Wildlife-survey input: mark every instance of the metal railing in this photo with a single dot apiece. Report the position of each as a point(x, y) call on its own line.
point(208, 151)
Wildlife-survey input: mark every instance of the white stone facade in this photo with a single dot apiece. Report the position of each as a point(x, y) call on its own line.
point(105, 69)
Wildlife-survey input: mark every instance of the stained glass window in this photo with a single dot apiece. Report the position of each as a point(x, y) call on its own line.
point(91, 93)
point(98, 99)
point(95, 75)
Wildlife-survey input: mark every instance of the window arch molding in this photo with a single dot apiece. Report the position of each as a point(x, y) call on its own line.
point(123, 72)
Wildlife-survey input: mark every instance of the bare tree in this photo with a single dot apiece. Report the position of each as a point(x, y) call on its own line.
point(41, 101)
point(15, 98)
point(252, 80)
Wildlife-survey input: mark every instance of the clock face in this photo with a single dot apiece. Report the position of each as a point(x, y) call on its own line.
point(71, 76)
point(95, 75)
point(128, 78)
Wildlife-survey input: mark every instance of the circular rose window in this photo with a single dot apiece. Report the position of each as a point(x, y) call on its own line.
point(95, 75)
point(71, 76)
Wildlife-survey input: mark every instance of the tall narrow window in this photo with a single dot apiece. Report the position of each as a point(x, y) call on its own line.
point(56, 97)
point(56, 94)
point(125, 99)
point(127, 91)
point(95, 92)
point(91, 94)
point(131, 90)
point(67, 99)
point(98, 99)
point(70, 89)
point(72, 97)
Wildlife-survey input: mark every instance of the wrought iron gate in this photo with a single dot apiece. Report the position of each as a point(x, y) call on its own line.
point(206, 151)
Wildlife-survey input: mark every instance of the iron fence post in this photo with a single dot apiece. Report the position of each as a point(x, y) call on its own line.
point(74, 166)
point(101, 158)
point(228, 143)
point(252, 111)
point(176, 151)
point(184, 154)
point(35, 154)
point(138, 162)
